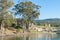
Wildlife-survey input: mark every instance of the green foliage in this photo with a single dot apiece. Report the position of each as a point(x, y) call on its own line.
point(6, 19)
point(28, 11)
point(13, 25)
point(16, 26)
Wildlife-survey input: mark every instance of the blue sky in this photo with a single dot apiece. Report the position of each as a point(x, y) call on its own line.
point(49, 8)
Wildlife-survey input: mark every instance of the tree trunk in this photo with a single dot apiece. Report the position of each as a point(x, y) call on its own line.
point(27, 26)
point(2, 27)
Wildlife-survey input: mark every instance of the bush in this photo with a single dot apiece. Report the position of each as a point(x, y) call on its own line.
point(16, 26)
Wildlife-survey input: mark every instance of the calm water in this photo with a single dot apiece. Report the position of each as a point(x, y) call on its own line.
point(34, 37)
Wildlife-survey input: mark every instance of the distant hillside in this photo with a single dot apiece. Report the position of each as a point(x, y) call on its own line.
point(52, 21)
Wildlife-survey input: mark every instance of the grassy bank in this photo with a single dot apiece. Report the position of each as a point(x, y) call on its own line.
point(20, 32)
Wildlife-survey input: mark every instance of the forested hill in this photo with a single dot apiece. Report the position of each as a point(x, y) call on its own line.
point(52, 21)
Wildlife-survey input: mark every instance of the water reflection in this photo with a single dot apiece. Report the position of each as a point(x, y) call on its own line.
point(33, 37)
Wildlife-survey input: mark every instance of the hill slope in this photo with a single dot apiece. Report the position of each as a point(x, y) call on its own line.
point(52, 21)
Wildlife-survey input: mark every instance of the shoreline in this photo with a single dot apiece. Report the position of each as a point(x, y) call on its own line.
point(26, 33)
point(20, 33)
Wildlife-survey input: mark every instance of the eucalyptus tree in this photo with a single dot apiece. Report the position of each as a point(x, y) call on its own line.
point(28, 11)
point(4, 6)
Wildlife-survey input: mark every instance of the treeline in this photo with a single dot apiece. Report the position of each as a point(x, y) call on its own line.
point(26, 12)
point(55, 22)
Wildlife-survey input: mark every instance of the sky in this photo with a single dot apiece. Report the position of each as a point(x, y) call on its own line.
point(49, 8)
